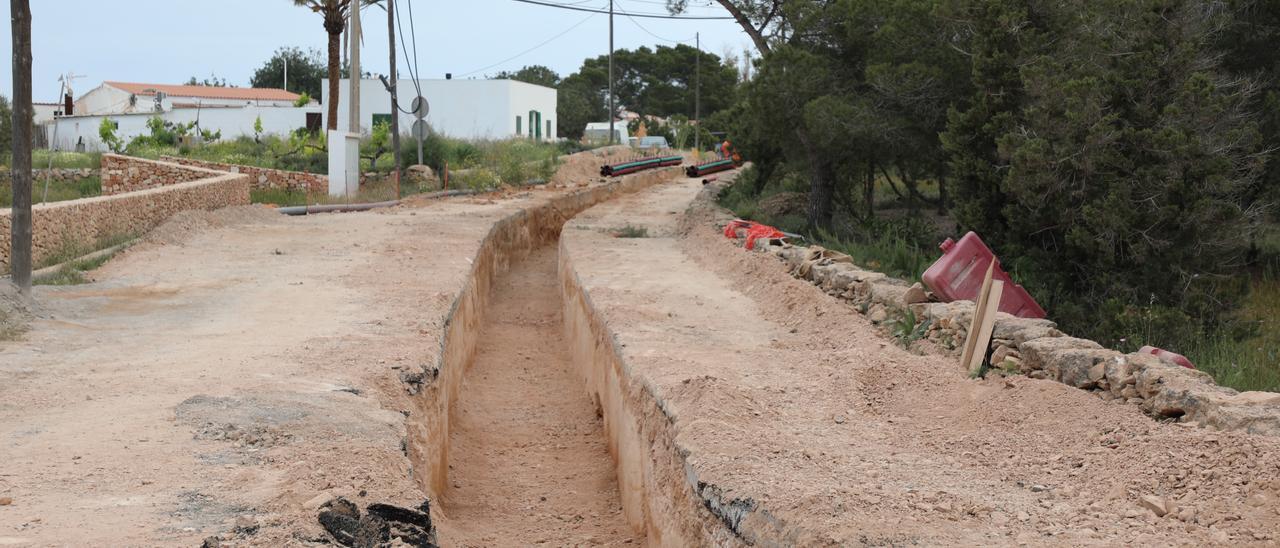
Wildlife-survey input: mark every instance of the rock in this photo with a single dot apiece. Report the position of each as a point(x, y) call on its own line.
point(877, 313)
point(5, 501)
point(1256, 500)
point(1038, 352)
point(1153, 503)
point(246, 525)
point(1038, 488)
point(915, 294)
point(1075, 366)
point(314, 503)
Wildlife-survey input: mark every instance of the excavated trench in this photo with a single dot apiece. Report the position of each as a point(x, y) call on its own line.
point(526, 429)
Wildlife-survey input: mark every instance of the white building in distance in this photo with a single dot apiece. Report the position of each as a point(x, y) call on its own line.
point(126, 97)
point(232, 112)
point(463, 109)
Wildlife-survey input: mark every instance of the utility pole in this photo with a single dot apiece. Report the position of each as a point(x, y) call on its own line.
point(697, 94)
point(353, 120)
point(20, 231)
point(612, 136)
point(395, 104)
point(286, 72)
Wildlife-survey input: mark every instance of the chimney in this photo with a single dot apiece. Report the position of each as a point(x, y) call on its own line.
point(68, 105)
point(448, 76)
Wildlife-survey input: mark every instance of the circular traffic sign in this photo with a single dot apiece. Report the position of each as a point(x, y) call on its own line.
point(419, 129)
point(419, 107)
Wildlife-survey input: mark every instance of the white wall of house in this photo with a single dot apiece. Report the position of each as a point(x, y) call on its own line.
point(232, 122)
point(44, 112)
point(465, 109)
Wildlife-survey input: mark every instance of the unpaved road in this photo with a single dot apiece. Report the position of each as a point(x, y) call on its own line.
point(229, 382)
point(796, 407)
point(236, 375)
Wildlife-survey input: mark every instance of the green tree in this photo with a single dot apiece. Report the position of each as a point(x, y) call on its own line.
point(107, 134)
point(6, 130)
point(532, 74)
point(211, 81)
point(1112, 166)
point(307, 70)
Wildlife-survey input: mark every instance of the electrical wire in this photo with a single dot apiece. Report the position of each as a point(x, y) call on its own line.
point(646, 15)
point(404, 49)
point(518, 55)
point(649, 32)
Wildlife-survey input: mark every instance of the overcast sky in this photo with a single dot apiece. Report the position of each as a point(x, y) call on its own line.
point(168, 41)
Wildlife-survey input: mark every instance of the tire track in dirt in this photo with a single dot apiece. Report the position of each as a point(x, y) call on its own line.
point(529, 462)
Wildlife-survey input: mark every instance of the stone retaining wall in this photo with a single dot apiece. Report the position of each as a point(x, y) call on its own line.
point(82, 224)
point(121, 174)
point(1038, 349)
point(261, 177)
point(58, 174)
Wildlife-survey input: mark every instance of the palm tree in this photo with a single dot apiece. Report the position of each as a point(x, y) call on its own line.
point(335, 21)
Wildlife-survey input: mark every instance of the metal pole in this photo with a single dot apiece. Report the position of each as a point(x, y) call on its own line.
point(697, 94)
point(612, 136)
point(395, 104)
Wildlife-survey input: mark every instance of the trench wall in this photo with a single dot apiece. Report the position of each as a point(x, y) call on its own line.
point(508, 240)
point(81, 224)
point(1035, 347)
point(660, 490)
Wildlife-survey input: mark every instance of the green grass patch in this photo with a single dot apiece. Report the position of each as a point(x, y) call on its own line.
point(630, 231)
point(40, 159)
point(59, 191)
point(72, 251)
point(1250, 362)
point(73, 273)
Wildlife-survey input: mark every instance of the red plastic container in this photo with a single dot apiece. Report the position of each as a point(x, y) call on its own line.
point(958, 276)
point(1171, 357)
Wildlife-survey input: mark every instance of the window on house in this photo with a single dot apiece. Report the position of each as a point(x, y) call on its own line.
point(518, 132)
point(313, 122)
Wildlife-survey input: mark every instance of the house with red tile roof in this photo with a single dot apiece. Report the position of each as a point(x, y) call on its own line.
point(131, 97)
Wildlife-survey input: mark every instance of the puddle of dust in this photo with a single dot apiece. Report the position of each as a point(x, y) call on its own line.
point(529, 462)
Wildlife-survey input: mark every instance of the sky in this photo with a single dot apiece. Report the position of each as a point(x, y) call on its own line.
point(169, 41)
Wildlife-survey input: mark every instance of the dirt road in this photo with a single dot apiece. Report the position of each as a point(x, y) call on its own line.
point(804, 425)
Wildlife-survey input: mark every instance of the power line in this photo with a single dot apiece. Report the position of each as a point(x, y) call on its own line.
point(649, 32)
point(518, 55)
point(646, 15)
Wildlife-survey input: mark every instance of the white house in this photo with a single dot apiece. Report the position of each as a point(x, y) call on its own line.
point(231, 111)
point(599, 132)
point(465, 109)
point(126, 97)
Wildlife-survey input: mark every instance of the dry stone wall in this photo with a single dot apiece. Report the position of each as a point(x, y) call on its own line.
point(121, 174)
point(83, 224)
point(58, 174)
point(261, 177)
point(1036, 348)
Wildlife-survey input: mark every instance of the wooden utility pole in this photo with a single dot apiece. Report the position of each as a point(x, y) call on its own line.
point(612, 138)
point(20, 228)
point(395, 103)
point(697, 94)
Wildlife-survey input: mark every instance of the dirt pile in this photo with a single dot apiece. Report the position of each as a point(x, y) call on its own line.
point(184, 225)
point(584, 167)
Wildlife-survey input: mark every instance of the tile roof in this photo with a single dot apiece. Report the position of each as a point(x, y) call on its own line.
point(208, 92)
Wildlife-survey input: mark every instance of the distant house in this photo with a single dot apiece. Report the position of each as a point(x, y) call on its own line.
point(464, 109)
point(232, 112)
point(598, 132)
point(126, 98)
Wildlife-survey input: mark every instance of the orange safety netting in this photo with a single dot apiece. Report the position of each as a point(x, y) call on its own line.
point(753, 231)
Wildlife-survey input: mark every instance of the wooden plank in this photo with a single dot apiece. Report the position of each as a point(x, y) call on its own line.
point(979, 308)
point(983, 340)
